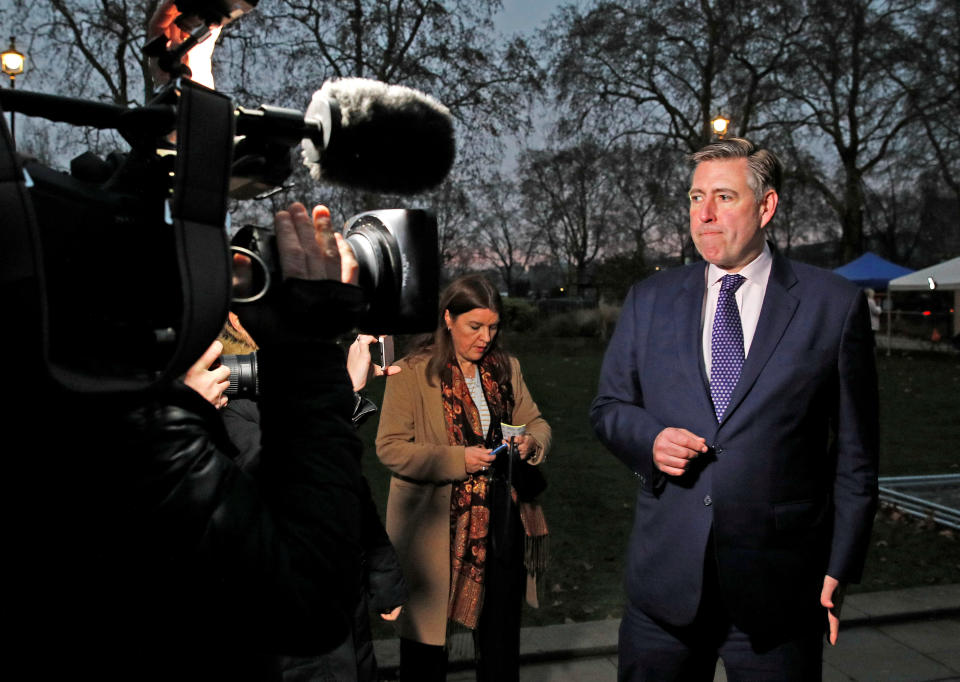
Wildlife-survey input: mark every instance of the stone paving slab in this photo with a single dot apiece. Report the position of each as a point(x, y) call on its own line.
point(906, 604)
point(910, 635)
point(602, 669)
point(579, 639)
point(868, 654)
point(929, 637)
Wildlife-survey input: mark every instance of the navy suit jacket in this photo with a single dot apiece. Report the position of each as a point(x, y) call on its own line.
point(789, 486)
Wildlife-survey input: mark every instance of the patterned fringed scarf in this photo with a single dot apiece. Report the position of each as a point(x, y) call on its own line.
point(469, 500)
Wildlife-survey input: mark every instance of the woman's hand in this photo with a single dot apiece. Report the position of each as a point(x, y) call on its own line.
point(477, 459)
point(527, 446)
point(359, 362)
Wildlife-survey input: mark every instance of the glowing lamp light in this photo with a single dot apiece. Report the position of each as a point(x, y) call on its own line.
point(927, 313)
point(12, 60)
point(932, 283)
point(719, 125)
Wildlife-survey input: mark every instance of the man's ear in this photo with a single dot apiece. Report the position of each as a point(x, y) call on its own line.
point(768, 206)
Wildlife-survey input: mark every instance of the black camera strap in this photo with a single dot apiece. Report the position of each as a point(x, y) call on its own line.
point(18, 242)
point(199, 210)
point(21, 271)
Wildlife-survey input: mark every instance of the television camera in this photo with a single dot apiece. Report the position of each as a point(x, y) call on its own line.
point(127, 258)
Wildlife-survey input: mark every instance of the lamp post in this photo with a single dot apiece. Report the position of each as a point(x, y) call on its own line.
point(719, 126)
point(12, 63)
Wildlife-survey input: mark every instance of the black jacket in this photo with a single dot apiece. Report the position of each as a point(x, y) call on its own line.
point(382, 585)
point(141, 550)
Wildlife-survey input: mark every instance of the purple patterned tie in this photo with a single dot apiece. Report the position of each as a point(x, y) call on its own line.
point(726, 345)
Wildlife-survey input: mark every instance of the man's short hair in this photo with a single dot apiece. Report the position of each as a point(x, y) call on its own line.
point(765, 171)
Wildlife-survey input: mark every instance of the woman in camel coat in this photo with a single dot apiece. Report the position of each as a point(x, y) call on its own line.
point(455, 387)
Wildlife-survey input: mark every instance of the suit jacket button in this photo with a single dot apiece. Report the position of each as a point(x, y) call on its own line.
point(707, 501)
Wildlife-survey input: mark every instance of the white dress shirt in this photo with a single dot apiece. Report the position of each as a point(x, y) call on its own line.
point(749, 300)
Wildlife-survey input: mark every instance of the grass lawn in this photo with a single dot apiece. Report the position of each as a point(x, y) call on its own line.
point(589, 502)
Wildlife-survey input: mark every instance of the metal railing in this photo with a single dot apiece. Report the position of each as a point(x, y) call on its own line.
point(912, 495)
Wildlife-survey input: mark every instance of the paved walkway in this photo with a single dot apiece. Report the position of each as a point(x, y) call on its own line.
point(910, 635)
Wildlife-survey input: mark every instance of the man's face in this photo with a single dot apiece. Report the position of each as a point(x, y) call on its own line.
point(726, 222)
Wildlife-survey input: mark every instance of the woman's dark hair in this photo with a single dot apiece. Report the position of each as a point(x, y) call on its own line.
point(462, 295)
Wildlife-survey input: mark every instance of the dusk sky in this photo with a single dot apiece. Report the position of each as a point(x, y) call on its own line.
point(524, 15)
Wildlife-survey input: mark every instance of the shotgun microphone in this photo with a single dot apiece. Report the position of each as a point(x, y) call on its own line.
point(378, 137)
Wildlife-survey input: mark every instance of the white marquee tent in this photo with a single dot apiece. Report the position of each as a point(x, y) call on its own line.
point(943, 276)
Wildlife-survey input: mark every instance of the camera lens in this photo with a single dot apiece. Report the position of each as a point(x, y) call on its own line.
point(244, 382)
point(399, 268)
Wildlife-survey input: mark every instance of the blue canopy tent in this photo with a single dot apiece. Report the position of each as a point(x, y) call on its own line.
point(872, 271)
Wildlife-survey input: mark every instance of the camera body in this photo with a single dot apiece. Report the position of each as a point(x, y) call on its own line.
point(131, 254)
point(398, 267)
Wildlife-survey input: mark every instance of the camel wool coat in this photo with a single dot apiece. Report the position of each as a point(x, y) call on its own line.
point(412, 442)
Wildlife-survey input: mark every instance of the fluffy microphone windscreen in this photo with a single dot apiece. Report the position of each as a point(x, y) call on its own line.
point(387, 138)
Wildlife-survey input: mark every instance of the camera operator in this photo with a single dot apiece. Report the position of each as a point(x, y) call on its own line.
point(383, 589)
point(139, 547)
point(142, 551)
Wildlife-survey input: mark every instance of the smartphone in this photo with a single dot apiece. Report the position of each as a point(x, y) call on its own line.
point(386, 351)
point(381, 352)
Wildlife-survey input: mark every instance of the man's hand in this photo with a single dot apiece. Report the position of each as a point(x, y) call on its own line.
point(674, 449)
point(393, 615)
point(831, 598)
point(308, 247)
point(323, 232)
point(307, 250)
point(209, 383)
point(359, 362)
point(199, 59)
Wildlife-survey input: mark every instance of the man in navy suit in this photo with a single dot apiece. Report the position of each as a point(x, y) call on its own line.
point(742, 393)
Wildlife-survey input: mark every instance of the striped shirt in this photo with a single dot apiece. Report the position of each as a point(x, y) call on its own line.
point(476, 392)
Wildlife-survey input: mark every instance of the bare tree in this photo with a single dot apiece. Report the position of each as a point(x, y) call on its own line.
point(94, 49)
point(652, 182)
point(570, 195)
point(934, 86)
point(665, 68)
point(283, 51)
point(656, 73)
point(506, 236)
point(827, 80)
point(842, 82)
point(447, 49)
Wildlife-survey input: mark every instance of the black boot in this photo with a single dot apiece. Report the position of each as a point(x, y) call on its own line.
point(422, 662)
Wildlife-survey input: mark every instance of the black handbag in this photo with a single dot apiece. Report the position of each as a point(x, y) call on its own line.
point(527, 479)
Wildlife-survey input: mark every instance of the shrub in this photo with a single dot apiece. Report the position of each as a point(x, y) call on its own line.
point(596, 323)
point(519, 314)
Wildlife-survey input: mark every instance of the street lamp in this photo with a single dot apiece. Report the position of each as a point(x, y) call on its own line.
point(12, 64)
point(719, 126)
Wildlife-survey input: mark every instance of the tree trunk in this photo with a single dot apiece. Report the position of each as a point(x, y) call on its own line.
point(852, 218)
